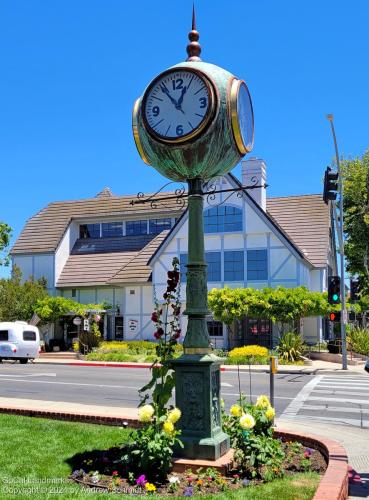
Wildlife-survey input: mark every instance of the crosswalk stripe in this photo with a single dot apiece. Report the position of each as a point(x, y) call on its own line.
point(349, 393)
point(346, 400)
point(349, 421)
point(337, 409)
point(329, 384)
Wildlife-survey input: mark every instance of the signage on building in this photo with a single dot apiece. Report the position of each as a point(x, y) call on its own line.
point(77, 321)
point(132, 325)
point(86, 325)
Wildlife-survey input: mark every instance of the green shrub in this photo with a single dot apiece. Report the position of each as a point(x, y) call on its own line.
point(358, 339)
point(247, 360)
point(291, 347)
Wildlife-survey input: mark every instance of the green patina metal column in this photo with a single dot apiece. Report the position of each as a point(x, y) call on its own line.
point(198, 370)
point(209, 149)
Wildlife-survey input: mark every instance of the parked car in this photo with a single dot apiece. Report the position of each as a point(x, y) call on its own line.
point(19, 341)
point(366, 367)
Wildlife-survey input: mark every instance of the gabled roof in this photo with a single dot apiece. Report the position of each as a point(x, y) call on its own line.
point(306, 221)
point(44, 231)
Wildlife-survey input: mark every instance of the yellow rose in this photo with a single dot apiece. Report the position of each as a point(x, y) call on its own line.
point(247, 421)
point(236, 410)
point(270, 413)
point(145, 413)
point(168, 427)
point(262, 402)
point(174, 415)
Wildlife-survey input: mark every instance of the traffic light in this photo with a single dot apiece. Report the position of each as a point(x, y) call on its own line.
point(330, 185)
point(334, 290)
point(354, 290)
point(335, 317)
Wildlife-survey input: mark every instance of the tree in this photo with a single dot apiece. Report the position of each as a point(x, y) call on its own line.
point(283, 306)
point(18, 300)
point(50, 309)
point(356, 217)
point(5, 234)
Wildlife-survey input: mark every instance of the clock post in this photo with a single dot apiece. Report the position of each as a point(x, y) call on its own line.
point(193, 123)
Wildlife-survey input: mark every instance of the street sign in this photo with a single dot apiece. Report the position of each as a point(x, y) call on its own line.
point(77, 321)
point(86, 325)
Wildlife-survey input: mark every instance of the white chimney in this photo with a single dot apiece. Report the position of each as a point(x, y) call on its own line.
point(254, 172)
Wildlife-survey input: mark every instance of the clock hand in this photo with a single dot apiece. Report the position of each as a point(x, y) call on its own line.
point(166, 91)
point(180, 100)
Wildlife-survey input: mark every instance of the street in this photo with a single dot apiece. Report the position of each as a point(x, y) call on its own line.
point(119, 386)
point(341, 398)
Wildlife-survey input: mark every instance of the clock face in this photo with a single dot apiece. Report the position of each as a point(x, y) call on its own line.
point(242, 116)
point(177, 105)
point(245, 116)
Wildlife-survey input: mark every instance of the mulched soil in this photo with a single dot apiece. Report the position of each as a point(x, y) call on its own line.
point(106, 462)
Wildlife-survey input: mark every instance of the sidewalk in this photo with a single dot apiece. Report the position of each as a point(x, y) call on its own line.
point(317, 366)
point(355, 441)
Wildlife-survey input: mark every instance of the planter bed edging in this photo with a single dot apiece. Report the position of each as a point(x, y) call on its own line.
point(332, 486)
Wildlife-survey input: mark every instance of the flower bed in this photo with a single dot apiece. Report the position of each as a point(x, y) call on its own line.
point(102, 469)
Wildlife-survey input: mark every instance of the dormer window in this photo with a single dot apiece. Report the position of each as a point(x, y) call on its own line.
point(156, 226)
point(89, 231)
point(112, 229)
point(136, 227)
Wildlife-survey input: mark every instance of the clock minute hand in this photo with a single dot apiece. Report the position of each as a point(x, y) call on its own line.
point(166, 91)
point(180, 100)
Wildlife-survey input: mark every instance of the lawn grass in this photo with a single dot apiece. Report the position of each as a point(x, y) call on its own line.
point(39, 450)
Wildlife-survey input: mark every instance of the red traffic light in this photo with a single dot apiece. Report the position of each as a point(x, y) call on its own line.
point(335, 317)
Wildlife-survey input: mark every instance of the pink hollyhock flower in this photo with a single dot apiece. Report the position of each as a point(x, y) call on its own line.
point(141, 481)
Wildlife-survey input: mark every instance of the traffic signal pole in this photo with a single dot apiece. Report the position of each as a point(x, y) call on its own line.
point(342, 250)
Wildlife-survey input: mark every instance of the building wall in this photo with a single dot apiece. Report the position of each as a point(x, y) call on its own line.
point(64, 249)
point(37, 266)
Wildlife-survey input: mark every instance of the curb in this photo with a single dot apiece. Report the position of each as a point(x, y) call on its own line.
point(332, 486)
point(224, 368)
point(334, 483)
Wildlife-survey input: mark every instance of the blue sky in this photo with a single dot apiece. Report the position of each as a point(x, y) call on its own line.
point(71, 70)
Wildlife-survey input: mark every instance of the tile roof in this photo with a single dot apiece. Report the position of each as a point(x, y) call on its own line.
point(109, 268)
point(44, 231)
point(306, 221)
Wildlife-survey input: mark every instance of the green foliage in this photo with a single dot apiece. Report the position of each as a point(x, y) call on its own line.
point(90, 339)
point(50, 309)
point(257, 453)
point(150, 451)
point(291, 347)
point(17, 299)
point(280, 305)
point(356, 217)
point(358, 339)
point(5, 235)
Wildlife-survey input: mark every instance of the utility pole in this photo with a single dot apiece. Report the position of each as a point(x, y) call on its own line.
point(342, 249)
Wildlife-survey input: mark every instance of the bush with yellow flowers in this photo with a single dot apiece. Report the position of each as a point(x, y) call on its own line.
point(257, 453)
point(248, 354)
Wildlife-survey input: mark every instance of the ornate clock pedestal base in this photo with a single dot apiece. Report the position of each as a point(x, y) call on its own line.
point(200, 423)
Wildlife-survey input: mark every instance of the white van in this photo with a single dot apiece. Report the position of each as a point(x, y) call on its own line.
point(19, 340)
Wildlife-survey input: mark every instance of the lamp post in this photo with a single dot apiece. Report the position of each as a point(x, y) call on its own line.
point(195, 122)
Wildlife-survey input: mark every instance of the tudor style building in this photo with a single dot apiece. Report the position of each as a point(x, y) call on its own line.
point(105, 249)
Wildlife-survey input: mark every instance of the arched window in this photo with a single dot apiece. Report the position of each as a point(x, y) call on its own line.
point(222, 219)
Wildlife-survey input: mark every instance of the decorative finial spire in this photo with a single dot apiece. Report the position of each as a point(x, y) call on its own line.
point(193, 48)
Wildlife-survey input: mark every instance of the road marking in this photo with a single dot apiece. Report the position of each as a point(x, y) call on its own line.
point(333, 391)
point(252, 395)
point(30, 375)
point(349, 421)
point(337, 409)
point(69, 383)
point(343, 400)
point(225, 384)
point(297, 403)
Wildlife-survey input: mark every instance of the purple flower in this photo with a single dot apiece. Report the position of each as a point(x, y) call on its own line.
point(308, 452)
point(141, 481)
point(188, 492)
point(245, 482)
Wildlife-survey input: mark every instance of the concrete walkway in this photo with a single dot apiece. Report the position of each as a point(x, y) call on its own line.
point(317, 366)
point(355, 441)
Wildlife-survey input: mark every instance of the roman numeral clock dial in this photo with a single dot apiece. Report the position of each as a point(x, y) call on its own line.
point(178, 105)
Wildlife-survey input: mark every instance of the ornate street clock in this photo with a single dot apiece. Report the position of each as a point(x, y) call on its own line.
point(194, 119)
point(194, 122)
